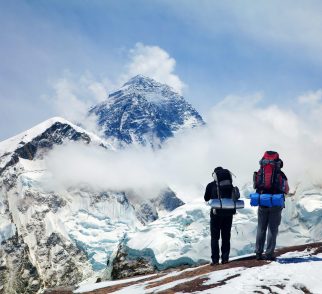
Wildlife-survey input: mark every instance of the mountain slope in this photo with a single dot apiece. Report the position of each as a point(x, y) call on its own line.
point(30, 255)
point(54, 234)
point(34, 250)
point(146, 112)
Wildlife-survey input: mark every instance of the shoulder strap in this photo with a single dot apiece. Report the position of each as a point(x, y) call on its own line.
point(213, 189)
point(217, 185)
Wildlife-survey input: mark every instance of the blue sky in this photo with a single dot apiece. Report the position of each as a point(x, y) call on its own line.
point(220, 48)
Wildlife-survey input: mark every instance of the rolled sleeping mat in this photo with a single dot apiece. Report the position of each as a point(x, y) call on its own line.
point(254, 199)
point(265, 200)
point(278, 200)
point(226, 203)
point(268, 200)
point(240, 204)
point(215, 203)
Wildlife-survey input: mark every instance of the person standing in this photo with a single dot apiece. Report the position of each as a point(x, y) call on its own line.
point(220, 219)
point(269, 180)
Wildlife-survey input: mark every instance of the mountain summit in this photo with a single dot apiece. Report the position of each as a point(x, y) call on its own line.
point(145, 111)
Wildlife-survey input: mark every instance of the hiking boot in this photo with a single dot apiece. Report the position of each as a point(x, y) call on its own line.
point(214, 263)
point(224, 261)
point(259, 256)
point(270, 257)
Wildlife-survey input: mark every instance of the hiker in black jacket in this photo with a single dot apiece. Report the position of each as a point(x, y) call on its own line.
point(220, 219)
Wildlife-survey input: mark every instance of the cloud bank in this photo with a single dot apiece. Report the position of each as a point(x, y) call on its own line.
point(238, 132)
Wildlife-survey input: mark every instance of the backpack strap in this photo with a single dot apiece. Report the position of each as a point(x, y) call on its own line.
point(217, 185)
point(213, 188)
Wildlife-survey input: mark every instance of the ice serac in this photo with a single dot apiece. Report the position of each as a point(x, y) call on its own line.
point(149, 210)
point(145, 112)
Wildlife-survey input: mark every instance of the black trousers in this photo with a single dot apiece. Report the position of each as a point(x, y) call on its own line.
point(220, 225)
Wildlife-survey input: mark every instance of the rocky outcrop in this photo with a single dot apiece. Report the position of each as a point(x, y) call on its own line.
point(17, 272)
point(125, 266)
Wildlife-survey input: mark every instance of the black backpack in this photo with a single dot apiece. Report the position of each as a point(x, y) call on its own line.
point(224, 183)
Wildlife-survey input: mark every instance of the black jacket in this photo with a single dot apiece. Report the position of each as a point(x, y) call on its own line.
point(211, 193)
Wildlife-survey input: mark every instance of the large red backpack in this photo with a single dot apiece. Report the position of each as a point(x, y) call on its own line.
point(269, 178)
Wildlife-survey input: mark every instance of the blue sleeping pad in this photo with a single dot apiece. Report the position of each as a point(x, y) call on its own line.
point(268, 200)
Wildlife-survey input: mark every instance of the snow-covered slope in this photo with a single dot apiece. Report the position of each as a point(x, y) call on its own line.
point(144, 111)
point(52, 234)
point(297, 270)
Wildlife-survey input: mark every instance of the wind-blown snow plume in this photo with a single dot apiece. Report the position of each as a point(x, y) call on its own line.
point(237, 133)
point(154, 62)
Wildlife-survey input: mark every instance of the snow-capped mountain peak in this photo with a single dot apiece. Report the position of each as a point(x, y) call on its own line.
point(150, 89)
point(12, 143)
point(142, 81)
point(43, 136)
point(146, 112)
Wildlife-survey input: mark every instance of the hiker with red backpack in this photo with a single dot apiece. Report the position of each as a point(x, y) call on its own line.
point(221, 218)
point(271, 186)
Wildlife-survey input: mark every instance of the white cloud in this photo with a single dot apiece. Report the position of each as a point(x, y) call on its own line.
point(311, 108)
point(236, 136)
point(73, 98)
point(311, 97)
point(75, 164)
point(154, 62)
point(98, 90)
